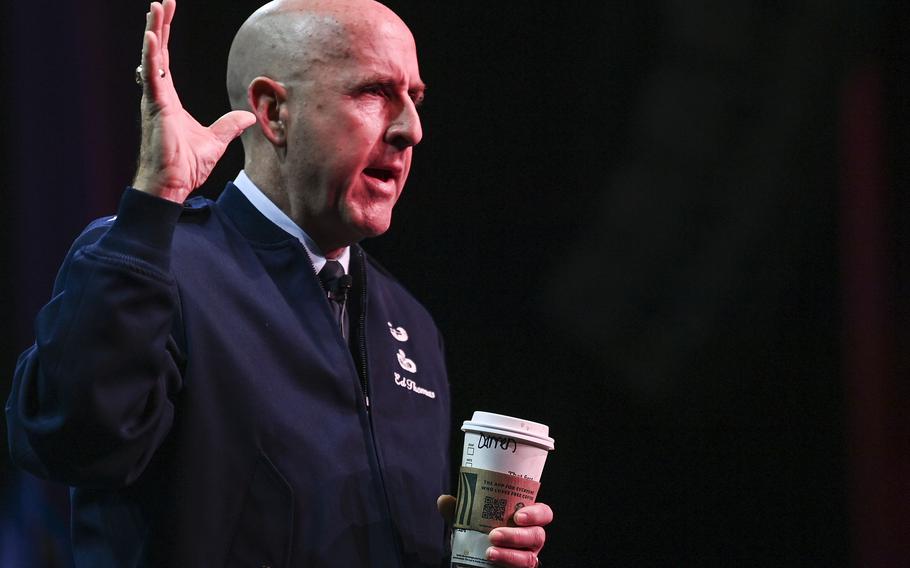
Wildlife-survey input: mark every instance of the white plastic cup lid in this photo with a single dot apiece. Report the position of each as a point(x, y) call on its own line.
point(524, 430)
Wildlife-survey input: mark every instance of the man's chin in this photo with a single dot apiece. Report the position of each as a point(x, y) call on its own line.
point(372, 231)
point(367, 227)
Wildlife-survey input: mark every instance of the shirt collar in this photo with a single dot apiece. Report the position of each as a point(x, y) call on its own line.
point(271, 212)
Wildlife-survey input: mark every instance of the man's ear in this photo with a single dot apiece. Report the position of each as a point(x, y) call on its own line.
point(267, 98)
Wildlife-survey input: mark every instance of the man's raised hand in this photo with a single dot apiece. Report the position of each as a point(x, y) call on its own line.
point(177, 153)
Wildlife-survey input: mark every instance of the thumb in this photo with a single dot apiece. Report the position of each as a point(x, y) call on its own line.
point(232, 124)
point(446, 506)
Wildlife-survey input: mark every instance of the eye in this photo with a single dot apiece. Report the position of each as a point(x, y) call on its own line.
point(416, 97)
point(377, 90)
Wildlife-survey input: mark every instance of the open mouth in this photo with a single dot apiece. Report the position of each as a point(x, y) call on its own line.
point(380, 174)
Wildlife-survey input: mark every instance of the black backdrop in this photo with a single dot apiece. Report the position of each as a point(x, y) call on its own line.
point(628, 220)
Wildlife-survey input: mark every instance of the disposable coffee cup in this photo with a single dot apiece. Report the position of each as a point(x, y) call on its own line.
point(501, 464)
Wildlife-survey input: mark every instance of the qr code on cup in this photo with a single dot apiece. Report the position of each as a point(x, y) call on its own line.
point(493, 508)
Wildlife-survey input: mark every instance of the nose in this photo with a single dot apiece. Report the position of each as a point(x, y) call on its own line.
point(404, 129)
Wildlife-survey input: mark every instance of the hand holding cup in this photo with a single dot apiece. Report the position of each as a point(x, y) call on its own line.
point(495, 518)
point(516, 546)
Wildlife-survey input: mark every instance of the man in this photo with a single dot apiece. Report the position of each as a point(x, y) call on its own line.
point(211, 400)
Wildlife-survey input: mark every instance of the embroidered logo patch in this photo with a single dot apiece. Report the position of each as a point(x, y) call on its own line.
point(406, 364)
point(409, 384)
point(399, 333)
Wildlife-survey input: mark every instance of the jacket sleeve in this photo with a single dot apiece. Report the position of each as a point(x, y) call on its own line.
point(92, 399)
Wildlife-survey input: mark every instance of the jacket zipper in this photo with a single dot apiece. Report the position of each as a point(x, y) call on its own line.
point(362, 335)
point(365, 385)
point(364, 382)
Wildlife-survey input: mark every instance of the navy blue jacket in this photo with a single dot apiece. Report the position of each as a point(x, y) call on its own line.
point(189, 382)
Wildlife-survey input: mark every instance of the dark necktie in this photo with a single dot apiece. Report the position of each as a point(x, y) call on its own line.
point(336, 285)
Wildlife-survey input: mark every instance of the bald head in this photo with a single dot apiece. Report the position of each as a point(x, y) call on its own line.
point(283, 39)
point(334, 85)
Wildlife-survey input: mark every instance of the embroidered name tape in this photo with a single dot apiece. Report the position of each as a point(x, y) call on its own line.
point(412, 386)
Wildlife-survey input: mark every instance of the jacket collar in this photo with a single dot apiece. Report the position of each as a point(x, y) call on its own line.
point(256, 227)
point(249, 221)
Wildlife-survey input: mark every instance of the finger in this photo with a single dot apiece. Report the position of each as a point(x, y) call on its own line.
point(147, 38)
point(170, 6)
point(158, 16)
point(516, 558)
point(231, 125)
point(538, 514)
point(151, 48)
point(143, 59)
point(156, 13)
point(523, 538)
point(150, 65)
point(446, 506)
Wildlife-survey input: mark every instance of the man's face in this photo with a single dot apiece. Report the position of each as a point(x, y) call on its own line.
point(352, 124)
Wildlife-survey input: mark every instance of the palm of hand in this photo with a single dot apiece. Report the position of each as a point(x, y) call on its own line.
point(177, 153)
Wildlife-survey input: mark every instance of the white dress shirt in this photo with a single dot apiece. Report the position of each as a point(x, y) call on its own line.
point(277, 216)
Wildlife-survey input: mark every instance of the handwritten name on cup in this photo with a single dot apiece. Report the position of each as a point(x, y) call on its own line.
point(497, 442)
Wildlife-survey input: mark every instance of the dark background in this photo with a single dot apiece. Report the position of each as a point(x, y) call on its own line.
point(676, 232)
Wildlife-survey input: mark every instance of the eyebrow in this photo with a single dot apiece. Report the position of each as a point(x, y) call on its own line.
point(417, 92)
point(384, 79)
